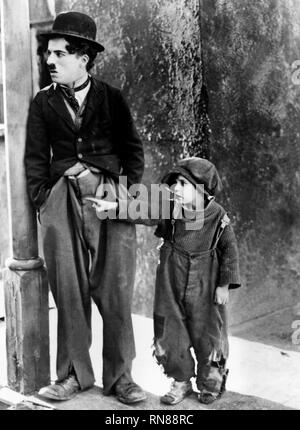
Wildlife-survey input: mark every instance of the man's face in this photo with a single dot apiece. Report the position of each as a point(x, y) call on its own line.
point(65, 68)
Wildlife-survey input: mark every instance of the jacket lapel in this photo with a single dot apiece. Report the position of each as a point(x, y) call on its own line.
point(56, 101)
point(94, 99)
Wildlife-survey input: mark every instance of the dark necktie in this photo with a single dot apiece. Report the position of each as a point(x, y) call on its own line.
point(69, 94)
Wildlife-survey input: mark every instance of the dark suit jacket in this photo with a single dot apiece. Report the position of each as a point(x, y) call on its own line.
point(107, 138)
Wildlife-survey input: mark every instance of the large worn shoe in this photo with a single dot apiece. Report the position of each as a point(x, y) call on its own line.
point(179, 390)
point(65, 390)
point(129, 392)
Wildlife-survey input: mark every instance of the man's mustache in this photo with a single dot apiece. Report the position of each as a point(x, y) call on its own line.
point(52, 68)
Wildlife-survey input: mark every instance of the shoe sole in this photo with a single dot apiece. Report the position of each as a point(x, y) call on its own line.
point(58, 399)
point(131, 402)
point(210, 399)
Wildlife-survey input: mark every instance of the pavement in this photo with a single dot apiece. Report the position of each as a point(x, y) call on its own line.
point(261, 376)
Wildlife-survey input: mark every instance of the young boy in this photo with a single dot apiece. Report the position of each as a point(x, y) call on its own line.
point(198, 266)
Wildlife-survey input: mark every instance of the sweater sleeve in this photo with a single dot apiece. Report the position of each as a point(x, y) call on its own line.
point(145, 208)
point(229, 259)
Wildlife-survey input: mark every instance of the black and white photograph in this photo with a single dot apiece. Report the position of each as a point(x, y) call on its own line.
point(150, 207)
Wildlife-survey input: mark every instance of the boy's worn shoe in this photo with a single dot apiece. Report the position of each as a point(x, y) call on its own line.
point(129, 392)
point(207, 398)
point(179, 390)
point(64, 390)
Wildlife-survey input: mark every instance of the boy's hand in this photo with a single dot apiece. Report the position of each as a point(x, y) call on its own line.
point(222, 295)
point(102, 205)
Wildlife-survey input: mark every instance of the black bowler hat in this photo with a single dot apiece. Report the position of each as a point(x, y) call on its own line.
point(75, 24)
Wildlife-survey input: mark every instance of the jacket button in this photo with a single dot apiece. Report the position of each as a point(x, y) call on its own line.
point(80, 156)
point(79, 140)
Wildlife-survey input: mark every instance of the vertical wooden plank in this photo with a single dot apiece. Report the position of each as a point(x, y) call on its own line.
point(25, 282)
point(17, 94)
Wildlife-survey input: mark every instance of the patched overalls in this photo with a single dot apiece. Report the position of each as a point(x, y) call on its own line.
point(185, 316)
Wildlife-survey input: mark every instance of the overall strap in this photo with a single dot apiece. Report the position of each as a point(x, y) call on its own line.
point(225, 221)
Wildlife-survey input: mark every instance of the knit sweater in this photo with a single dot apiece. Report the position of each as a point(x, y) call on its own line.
point(202, 239)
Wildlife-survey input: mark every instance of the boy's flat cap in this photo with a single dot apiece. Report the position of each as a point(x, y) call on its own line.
point(198, 171)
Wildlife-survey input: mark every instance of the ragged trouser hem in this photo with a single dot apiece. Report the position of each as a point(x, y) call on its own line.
point(210, 376)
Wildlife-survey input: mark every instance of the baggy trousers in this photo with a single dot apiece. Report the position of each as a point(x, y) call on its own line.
point(185, 317)
point(88, 258)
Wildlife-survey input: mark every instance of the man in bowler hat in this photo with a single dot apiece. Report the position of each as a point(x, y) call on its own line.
point(80, 136)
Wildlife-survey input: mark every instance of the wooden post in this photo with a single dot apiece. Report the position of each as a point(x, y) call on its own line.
point(25, 281)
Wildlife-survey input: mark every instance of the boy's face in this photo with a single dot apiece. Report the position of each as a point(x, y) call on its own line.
point(65, 68)
point(185, 191)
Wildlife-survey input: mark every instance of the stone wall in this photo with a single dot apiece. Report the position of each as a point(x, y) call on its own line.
point(254, 108)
